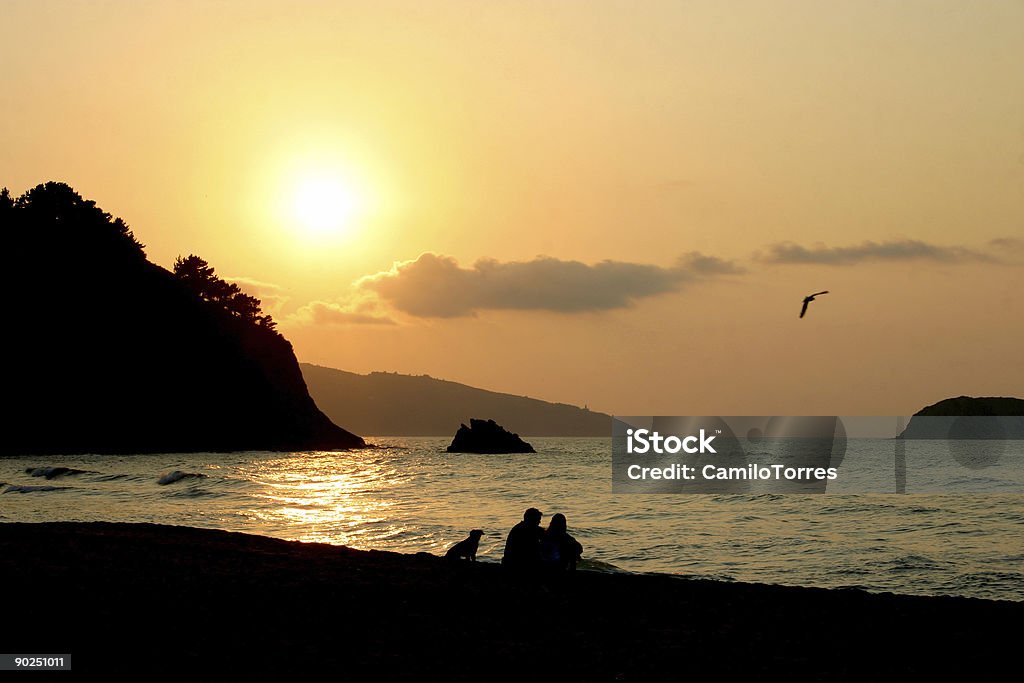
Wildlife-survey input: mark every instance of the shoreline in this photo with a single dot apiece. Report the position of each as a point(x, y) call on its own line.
point(138, 597)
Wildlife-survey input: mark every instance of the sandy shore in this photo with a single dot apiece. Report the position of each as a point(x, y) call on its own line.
point(145, 598)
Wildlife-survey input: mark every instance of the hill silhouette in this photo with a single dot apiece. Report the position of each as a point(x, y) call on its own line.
point(109, 353)
point(390, 404)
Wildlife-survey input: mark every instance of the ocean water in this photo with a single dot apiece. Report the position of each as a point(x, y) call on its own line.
point(410, 496)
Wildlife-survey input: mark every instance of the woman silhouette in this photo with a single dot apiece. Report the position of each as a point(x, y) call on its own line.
point(558, 550)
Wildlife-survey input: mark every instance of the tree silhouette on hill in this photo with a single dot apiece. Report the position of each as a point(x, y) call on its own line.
point(111, 353)
point(56, 211)
point(86, 233)
point(199, 277)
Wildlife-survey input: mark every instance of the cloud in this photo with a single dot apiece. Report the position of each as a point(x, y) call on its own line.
point(898, 250)
point(270, 295)
point(330, 313)
point(1007, 243)
point(254, 284)
point(438, 287)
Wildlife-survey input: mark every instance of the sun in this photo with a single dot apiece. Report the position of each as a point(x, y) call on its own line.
point(324, 205)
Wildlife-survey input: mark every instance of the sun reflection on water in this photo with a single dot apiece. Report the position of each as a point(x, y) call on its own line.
point(319, 499)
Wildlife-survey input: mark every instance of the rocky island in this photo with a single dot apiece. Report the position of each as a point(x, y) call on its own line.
point(966, 417)
point(487, 436)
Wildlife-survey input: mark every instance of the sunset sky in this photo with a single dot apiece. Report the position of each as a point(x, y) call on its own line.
point(613, 203)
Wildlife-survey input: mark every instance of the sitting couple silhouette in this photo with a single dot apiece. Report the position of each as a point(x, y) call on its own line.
point(529, 548)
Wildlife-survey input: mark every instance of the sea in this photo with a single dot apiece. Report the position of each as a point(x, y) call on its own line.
point(408, 495)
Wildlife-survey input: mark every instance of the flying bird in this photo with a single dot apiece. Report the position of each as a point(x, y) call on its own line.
point(808, 299)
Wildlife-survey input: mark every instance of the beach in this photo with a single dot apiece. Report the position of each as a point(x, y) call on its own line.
point(146, 598)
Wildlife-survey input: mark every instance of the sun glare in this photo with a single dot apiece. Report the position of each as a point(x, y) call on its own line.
point(325, 205)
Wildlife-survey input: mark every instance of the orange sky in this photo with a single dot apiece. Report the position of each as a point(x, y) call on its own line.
point(883, 141)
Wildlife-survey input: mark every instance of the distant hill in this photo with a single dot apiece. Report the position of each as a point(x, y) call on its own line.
point(106, 352)
point(965, 417)
point(389, 404)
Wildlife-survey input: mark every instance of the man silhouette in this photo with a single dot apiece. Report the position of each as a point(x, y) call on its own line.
point(522, 547)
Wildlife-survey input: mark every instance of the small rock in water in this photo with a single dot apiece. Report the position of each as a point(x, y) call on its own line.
point(487, 436)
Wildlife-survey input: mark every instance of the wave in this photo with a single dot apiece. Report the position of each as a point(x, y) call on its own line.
point(15, 488)
point(194, 493)
point(598, 566)
point(54, 472)
point(995, 584)
point(114, 477)
point(178, 475)
point(909, 563)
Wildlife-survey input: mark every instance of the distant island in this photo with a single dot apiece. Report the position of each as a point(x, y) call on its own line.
point(487, 436)
point(110, 353)
point(965, 417)
point(390, 404)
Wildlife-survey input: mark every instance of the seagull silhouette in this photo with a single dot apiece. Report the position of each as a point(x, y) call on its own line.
point(808, 299)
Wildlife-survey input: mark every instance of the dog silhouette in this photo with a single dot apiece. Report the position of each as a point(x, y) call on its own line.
point(465, 548)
